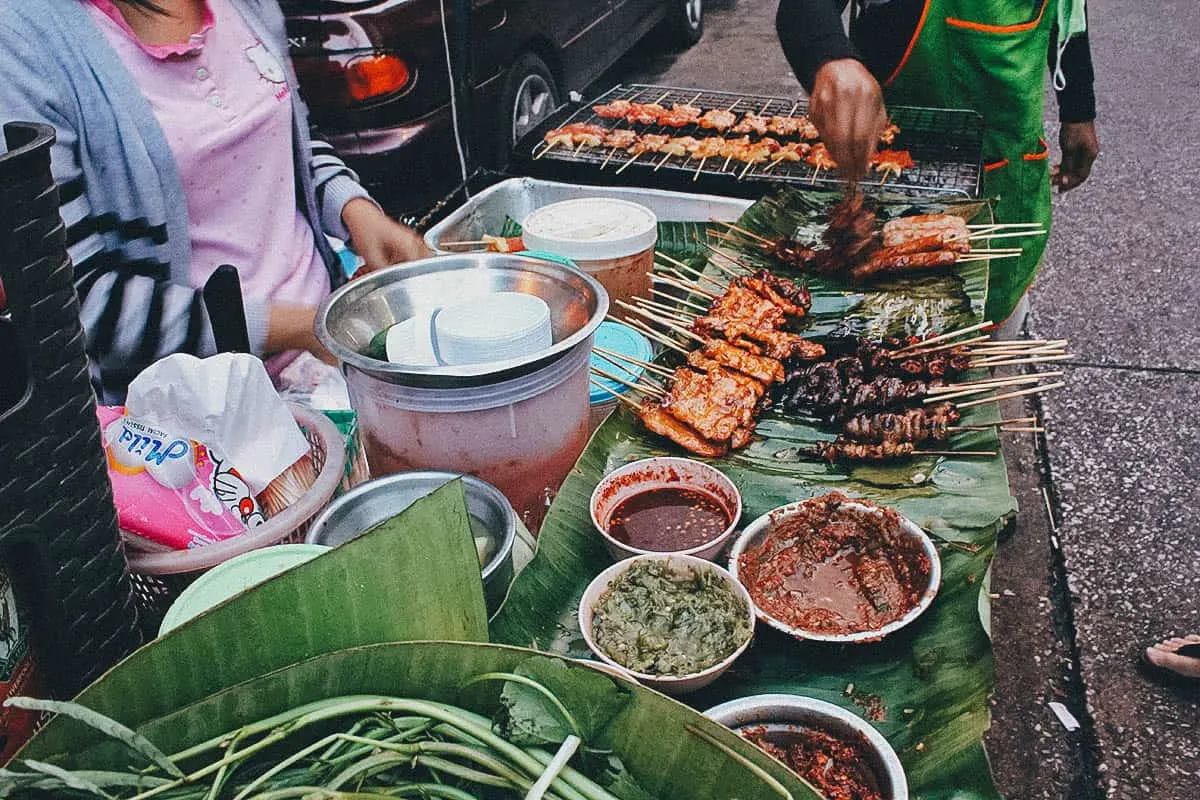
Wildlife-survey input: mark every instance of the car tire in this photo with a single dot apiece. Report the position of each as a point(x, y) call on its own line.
point(530, 95)
point(684, 24)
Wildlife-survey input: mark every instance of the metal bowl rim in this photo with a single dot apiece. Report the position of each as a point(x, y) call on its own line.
point(928, 594)
point(437, 264)
point(766, 703)
point(470, 483)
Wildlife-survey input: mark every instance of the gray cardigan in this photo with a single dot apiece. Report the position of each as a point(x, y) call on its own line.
point(121, 195)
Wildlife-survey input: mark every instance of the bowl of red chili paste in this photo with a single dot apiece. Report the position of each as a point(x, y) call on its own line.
point(833, 749)
point(666, 505)
point(837, 570)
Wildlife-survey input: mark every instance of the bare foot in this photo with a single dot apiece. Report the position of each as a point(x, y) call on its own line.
point(1180, 655)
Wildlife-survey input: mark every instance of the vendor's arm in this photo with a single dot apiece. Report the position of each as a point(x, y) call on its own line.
point(846, 102)
point(349, 213)
point(132, 313)
point(1076, 112)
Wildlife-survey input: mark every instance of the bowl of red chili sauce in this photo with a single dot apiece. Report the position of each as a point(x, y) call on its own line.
point(836, 570)
point(666, 505)
point(835, 750)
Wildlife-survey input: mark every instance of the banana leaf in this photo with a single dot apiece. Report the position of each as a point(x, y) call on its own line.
point(415, 577)
point(650, 733)
point(926, 687)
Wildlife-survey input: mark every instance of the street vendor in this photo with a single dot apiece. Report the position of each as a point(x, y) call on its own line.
point(991, 57)
point(183, 145)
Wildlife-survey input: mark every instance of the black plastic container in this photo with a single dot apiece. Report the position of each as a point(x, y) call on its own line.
point(59, 545)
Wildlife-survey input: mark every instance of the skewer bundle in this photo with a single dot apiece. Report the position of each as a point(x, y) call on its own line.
point(855, 246)
point(885, 399)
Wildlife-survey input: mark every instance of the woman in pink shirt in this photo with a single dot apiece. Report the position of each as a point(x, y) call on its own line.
point(183, 145)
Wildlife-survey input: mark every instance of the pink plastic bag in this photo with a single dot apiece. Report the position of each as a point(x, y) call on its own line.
point(171, 491)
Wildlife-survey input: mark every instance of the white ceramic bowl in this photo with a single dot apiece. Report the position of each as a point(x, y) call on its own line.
point(782, 713)
point(759, 527)
point(657, 473)
point(668, 684)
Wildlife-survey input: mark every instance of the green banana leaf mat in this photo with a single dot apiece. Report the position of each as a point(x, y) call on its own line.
point(925, 688)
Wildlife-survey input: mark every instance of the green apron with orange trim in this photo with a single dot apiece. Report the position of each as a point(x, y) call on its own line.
point(990, 56)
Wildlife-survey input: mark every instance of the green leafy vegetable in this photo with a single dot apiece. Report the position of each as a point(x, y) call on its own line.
point(592, 700)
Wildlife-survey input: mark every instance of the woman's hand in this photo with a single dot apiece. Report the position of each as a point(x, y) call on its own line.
point(379, 239)
point(847, 108)
point(292, 327)
point(1080, 146)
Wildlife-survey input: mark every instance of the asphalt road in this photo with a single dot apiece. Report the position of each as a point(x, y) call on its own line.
point(1105, 556)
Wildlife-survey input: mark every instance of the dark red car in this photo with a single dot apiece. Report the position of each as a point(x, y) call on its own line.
point(375, 76)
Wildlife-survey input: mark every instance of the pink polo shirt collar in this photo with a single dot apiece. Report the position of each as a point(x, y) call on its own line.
point(160, 51)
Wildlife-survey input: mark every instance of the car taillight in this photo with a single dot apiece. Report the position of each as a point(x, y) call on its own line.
point(340, 81)
point(371, 77)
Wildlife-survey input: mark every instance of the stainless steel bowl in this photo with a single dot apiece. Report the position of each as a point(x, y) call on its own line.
point(781, 714)
point(353, 315)
point(376, 501)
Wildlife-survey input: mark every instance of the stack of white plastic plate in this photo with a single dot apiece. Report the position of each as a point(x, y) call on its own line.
point(497, 327)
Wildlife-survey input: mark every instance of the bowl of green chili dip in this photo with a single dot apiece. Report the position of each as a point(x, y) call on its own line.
point(836, 569)
point(673, 622)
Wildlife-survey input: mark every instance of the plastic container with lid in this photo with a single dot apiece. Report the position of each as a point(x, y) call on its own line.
point(615, 338)
point(234, 577)
point(611, 240)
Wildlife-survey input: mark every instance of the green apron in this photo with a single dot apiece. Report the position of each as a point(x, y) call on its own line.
point(990, 56)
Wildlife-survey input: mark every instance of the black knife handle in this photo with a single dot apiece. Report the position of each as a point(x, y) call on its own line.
point(226, 312)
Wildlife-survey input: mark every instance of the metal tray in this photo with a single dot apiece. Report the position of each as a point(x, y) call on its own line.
point(485, 213)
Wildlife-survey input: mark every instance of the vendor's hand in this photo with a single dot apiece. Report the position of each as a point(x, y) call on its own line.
point(291, 327)
point(847, 108)
point(379, 239)
point(1080, 146)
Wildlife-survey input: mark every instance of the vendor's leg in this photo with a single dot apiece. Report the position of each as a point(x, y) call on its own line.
point(1180, 656)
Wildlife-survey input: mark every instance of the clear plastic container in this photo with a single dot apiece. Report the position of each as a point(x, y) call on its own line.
point(611, 240)
point(522, 435)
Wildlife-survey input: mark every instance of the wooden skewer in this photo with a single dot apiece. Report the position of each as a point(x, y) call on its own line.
point(615, 394)
point(994, 250)
point(664, 160)
point(637, 387)
point(679, 300)
point(678, 284)
point(1001, 225)
point(608, 158)
point(687, 268)
point(657, 336)
point(968, 259)
point(954, 387)
point(671, 313)
point(545, 150)
point(699, 167)
point(990, 383)
point(1007, 235)
point(474, 242)
point(727, 270)
point(940, 347)
point(942, 397)
point(1019, 361)
point(742, 231)
point(1023, 430)
point(681, 284)
point(749, 166)
point(1021, 393)
point(1002, 343)
point(816, 174)
point(649, 366)
point(943, 337)
point(665, 323)
point(625, 166)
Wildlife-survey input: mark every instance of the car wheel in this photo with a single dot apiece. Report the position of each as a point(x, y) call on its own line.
point(685, 22)
point(530, 95)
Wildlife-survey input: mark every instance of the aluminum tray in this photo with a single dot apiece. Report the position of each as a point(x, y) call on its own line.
point(485, 213)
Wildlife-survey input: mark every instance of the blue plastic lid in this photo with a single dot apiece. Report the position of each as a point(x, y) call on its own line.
point(618, 338)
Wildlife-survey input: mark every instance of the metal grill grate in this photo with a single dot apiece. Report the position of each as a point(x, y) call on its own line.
point(945, 144)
